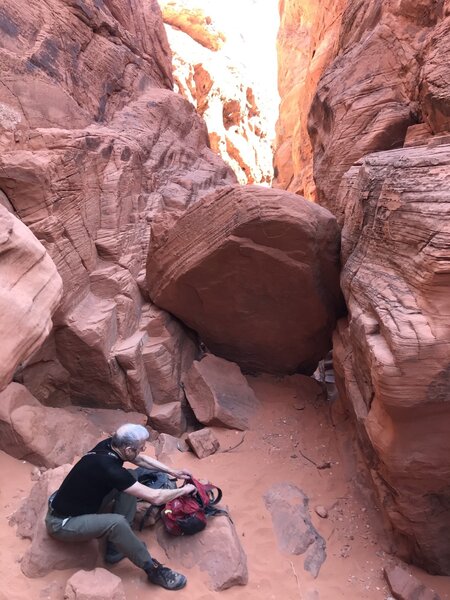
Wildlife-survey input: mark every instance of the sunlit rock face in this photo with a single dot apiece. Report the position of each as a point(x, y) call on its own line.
point(30, 290)
point(392, 353)
point(371, 93)
point(213, 69)
point(307, 43)
point(255, 272)
point(94, 143)
point(352, 78)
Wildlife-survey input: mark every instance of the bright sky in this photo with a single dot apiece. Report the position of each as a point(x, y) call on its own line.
point(251, 28)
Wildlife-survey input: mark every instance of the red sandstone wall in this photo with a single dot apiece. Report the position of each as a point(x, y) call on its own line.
point(307, 43)
point(388, 86)
point(93, 144)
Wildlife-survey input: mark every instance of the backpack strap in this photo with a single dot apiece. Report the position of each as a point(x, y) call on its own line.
point(212, 511)
point(144, 518)
point(207, 493)
point(211, 490)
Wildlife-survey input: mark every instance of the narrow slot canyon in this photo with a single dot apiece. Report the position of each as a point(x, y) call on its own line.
point(230, 224)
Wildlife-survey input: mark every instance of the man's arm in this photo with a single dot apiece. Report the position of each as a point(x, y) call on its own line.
point(142, 460)
point(158, 496)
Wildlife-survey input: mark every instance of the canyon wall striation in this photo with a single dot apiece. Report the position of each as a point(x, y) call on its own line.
point(379, 127)
point(307, 43)
point(96, 146)
point(255, 272)
point(94, 143)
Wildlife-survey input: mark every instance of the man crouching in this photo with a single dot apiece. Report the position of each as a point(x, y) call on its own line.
point(99, 479)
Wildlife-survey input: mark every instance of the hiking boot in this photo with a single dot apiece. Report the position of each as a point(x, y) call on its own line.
point(165, 577)
point(112, 554)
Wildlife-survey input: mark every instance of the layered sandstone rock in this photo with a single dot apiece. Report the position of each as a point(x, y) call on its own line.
point(44, 553)
point(289, 508)
point(255, 272)
point(392, 354)
point(30, 290)
point(377, 87)
point(43, 436)
point(435, 78)
point(306, 45)
point(92, 147)
point(98, 584)
point(208, 72)
point(219, 394)
point(365, 71)
point(226, 566)
point(388, 87)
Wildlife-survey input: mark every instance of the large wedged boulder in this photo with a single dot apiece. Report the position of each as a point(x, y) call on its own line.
point(255, 272)
point(44, 436)
point(30, 290)
point(392, 354)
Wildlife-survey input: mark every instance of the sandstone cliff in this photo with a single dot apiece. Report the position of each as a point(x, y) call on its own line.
point(307, 43)
point(95, 146)
point(389, 86)
point(94, 143)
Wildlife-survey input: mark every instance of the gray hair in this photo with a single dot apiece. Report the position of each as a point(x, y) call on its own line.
point(131, 435)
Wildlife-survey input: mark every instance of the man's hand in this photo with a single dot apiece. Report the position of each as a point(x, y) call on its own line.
point(182, 474)
point(188, 489)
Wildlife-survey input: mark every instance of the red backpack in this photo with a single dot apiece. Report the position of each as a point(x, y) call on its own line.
point(187, 515)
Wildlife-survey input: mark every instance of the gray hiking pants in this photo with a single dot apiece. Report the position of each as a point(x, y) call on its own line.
point(114, 527)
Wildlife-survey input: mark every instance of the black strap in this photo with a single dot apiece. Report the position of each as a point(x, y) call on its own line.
point(52, 511)
point(147, 513)
point(210, 511)
point(219, 495)
point(104, 452)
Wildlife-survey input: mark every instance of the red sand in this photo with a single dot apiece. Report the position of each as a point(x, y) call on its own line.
point(287, 425)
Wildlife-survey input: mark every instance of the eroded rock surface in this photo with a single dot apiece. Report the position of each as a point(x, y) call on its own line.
point(389, 73)
point(435, 78)
point(392, 354)
point(46, 554)
point(405, 586)
point(98, 584)
point(93, 144)
point(216, 550)
point(219, 394)
point(30, 291)
point(306, 45)
point(44, 436)
point(289, 509)
point(255, 272)
point(203, 442)
point(168, 418)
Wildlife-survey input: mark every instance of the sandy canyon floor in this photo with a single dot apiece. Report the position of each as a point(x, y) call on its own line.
point(289, 427)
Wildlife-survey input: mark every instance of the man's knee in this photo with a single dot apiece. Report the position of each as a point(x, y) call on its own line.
point(119, 522)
